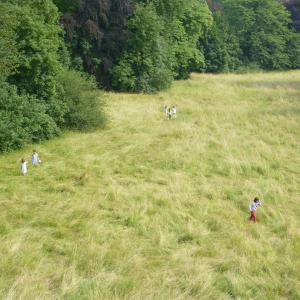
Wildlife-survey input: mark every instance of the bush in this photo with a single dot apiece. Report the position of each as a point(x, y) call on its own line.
point(85, 102)
point(23, 119)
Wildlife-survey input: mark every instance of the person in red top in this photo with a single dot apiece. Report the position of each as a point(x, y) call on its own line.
point(253, 206)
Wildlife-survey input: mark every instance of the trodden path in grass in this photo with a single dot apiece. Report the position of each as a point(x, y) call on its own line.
point(157, 209)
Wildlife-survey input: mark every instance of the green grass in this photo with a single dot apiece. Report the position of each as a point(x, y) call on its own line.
point(157, 209)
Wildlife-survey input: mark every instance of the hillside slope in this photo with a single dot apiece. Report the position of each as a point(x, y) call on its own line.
point(158, 209)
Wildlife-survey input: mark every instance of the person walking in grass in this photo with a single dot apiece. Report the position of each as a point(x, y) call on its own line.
point(174, 111)
point(253, 207)
point(166, 109)
point(35, 158)
point(23, 167)
point(169, 113)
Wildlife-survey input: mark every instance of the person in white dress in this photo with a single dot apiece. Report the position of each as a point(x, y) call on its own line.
point(174, 111)
point(169, 114)
point(35, 158)
point(165, 108)
point(23, 167)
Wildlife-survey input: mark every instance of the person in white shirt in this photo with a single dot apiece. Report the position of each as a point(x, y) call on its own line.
point(35, 158)
point(252, 207)
point(174, 112)
point(166, 109)
point(169, 114)
point(23, 167)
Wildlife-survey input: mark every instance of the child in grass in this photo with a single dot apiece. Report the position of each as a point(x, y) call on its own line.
point(253, 206)
point(169, 113)
point(35, 158)
point(166, 109)
point(174, 111)
point(23, 167)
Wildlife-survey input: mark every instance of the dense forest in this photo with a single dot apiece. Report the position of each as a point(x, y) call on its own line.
point(294, 7)
point(56, 54)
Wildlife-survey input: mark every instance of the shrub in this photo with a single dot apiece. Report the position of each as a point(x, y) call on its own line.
point(23, 119)
point(85, 102)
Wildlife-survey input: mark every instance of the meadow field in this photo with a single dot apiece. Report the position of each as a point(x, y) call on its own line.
point(156, 209)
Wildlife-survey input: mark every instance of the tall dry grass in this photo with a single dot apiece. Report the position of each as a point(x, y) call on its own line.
point(157, 209)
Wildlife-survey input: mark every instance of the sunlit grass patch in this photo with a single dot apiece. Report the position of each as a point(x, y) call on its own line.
point(157, 209)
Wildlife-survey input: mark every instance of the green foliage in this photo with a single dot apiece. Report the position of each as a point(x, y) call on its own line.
point(163, 45)
point(8, 45)
point(262, 28)
point(167, 32)
point(38, 97)
point(139, 48)
point(96, 33)
point(185, 22)
point(23, 119)
point(250, 35)
point(38, 39)
point(84, 100)
point(220, 47)
point(293, 50)
point(144, 65)
point(67, 6)
point(294, 7)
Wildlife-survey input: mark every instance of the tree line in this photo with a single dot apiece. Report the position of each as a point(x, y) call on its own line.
point(55, 54)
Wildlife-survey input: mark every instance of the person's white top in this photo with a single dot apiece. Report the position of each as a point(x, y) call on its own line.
point(35, 158)
point(24, 167)
point(253, 206)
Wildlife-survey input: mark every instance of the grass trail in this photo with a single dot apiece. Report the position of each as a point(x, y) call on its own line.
point(157, 209)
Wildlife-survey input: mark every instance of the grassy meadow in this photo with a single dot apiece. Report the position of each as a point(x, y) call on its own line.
point(156, 209)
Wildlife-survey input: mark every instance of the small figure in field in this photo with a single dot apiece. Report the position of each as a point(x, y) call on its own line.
point(169, 113)
point(35, 158)
point(23, 166)
point(174, 111)
point(166, 109)
point(253, 206)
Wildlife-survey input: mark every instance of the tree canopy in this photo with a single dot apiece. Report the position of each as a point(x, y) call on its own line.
point(55, 53)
